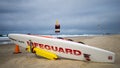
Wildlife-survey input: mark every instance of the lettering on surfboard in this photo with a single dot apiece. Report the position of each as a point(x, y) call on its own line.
point(19, 41)
point(57, 49)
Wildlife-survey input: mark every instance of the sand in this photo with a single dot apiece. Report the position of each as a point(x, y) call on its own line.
point(29, 60)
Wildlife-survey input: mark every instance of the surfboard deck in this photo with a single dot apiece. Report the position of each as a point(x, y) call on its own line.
point(63, 48)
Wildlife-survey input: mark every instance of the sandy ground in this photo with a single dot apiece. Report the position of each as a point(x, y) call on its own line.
point(29, 60)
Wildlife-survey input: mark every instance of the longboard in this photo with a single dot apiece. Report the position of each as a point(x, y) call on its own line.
point(64, 48)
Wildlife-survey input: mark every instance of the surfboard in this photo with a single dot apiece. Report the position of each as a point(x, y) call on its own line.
point(64, 48)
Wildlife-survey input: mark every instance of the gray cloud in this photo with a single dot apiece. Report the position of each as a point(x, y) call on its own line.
point(75, 16)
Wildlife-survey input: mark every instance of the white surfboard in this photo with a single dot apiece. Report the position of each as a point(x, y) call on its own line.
point(64, 48)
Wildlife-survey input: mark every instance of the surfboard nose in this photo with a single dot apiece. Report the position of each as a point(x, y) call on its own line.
point(10, 35)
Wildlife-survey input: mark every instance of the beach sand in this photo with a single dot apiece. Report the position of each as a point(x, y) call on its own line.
point(29, 60)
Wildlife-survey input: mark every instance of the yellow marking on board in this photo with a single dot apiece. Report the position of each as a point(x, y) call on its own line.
point(43, 53)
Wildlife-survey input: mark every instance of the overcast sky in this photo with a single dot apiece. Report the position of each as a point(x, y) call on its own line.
point(74, 16)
